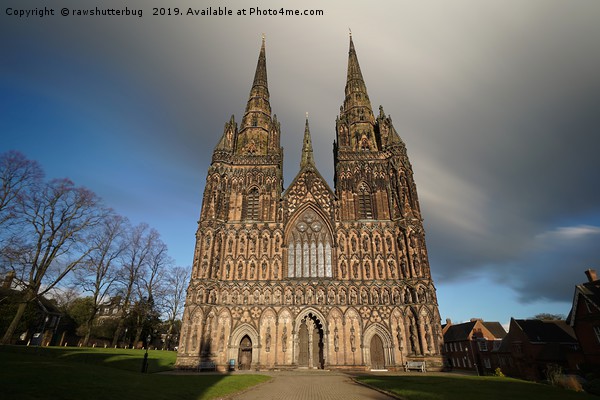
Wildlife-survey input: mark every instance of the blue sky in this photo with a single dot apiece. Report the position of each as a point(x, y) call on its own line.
point(497, 101)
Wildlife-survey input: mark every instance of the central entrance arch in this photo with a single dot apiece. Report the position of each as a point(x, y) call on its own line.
point(310, 343)
point(245, 353)
point(377, 355)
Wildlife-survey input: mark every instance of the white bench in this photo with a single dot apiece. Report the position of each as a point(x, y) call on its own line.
point(415, 366)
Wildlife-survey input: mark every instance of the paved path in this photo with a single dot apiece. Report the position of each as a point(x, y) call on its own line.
point(299, 385)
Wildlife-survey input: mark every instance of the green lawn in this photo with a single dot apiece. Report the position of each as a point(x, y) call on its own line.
point(90, 374)
point(457, 387)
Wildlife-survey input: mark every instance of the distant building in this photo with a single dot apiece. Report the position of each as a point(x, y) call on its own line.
point(470, 345)
point(531, 346)
point(584, 318)
point(40, 322)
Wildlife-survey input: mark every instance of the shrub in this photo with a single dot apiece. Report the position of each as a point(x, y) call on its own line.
point(569, 382)
point(553, 372)
point(593, 386)
point(498, 372)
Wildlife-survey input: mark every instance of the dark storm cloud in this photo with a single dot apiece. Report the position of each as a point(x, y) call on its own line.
point(497, 102)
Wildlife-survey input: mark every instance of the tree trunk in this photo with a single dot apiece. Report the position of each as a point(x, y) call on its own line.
point(88, 332)
point(167, 343)
point(7, 338)
point(118, 332)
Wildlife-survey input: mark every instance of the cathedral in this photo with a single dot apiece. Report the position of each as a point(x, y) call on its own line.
point(309, 277)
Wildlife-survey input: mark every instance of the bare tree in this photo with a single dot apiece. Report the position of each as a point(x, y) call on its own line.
point(139, 243)
point(151, 284)
point(17, 175)
point(99, 271)
point(56, 217)
point(177, 281)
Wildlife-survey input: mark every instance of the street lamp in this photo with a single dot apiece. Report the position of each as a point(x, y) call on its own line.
point(145, 362)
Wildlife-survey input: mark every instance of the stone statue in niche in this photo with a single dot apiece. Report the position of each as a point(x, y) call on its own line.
point(352, 339)
point(380, 269)
point(268, 340)
point(264, 269)
point(331, 296)
point(284, 338)
point(399, 337)
point(336, 340)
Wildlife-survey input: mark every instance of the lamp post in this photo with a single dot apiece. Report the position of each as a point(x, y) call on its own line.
point(145, 362)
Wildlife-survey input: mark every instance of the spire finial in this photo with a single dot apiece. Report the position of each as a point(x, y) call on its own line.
point(307, 159)
point(350, 31)
point(263, 38)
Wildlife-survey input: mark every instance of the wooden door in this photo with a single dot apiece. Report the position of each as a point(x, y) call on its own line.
point(245, 353)
point(377, 356)
point(303, 345)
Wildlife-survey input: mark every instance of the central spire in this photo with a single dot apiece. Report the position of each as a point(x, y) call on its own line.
point(307, 150)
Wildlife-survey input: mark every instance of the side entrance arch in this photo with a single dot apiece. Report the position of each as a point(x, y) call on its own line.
point(377, 354)
point(310, 343)
point(245, 353)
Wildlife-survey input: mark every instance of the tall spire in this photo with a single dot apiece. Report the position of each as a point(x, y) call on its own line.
point(307, 150)
point(357, 121)
point(260, 76)
point(258, 109)
point(356, 90)
point(256, 122)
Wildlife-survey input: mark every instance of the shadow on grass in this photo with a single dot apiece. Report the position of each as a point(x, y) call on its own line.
point(57, 373)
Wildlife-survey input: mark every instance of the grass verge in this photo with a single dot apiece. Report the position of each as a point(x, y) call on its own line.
point(457, 387)
point(95, 374)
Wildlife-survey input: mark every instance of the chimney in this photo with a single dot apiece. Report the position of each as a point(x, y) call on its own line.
point(591, 275)
point(448, 321)
point(8, 280)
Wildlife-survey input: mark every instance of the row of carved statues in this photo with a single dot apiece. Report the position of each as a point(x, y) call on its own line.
point(316, 296)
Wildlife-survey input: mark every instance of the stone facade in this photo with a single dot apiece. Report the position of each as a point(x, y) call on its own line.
point(309, 277)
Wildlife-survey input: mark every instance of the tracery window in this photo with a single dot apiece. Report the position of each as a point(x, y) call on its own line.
point(365, 208)
point(309, 247)
point(252, 209)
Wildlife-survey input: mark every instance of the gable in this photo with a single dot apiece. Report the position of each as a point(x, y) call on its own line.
point(308, 186)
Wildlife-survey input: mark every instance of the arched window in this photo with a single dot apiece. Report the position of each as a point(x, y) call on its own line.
point(365, 208)
point(252, 204)
point(309, 247)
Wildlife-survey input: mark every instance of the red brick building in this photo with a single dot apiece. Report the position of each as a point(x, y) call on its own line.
point(471, 345)
point(531, 346)
point(584, 318)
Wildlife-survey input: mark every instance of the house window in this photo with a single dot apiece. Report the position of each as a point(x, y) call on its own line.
point(252, 205)
point(597, 332)
point(487, 363)
point(482, 344)
point(365, 208)
point(517, 348)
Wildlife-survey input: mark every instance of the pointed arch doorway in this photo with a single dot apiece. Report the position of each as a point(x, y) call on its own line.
point(377, 354)
point(245, 353)
point(310, 343)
